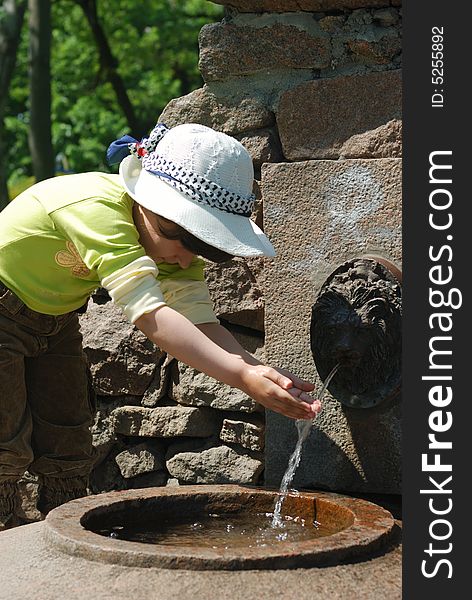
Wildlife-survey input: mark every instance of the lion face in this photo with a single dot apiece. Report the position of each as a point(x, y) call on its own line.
point(356, 322)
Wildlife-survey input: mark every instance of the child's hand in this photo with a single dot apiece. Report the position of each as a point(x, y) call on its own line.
point(280, 391)
point(302, 396)
point(298, 388)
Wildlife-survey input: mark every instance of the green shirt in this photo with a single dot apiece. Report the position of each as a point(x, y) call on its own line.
point(62, 236)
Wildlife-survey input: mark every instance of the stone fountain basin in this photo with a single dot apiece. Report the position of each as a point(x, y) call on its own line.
point(361, 528)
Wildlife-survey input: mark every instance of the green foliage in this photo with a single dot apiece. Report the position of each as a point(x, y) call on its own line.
point(21, 186)
point(155, 43)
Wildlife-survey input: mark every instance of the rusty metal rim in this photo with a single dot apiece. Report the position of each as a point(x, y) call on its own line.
point(371, 529)
point(388, 264)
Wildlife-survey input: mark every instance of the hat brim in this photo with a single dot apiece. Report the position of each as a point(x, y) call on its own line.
point(234, 234)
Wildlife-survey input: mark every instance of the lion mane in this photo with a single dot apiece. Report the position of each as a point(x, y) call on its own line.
point(356, 321)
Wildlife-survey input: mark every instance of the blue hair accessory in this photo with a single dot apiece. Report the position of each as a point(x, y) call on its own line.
point(121, 148)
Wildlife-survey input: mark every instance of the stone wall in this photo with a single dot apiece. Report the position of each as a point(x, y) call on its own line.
point(160, 422)
point(312, 88)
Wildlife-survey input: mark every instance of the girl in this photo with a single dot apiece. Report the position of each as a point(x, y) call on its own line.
point(182, 193)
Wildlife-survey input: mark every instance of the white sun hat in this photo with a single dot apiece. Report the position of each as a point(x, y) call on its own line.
point(200, 179)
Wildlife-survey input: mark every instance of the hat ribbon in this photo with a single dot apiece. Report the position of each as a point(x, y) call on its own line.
point(199, 188)
point(119, 149)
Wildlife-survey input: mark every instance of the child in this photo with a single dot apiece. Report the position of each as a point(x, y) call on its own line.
point(182, 193)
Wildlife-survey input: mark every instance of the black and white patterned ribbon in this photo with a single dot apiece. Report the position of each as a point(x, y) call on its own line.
point(148, 145)
point(198, 187)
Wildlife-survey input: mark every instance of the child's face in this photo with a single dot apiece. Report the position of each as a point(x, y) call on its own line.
point(159, 248)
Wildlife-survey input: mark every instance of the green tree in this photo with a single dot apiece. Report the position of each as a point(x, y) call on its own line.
point(11, 20)
point(40, 140)
point(109, 64)
point(155, 46)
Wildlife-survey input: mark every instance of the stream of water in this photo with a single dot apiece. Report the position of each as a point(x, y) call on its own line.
point(303, 426)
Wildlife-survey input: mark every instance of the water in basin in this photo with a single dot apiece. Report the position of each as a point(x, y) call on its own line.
point(220, 530)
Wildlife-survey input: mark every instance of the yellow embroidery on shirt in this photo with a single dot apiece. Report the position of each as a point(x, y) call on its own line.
point(71, 259)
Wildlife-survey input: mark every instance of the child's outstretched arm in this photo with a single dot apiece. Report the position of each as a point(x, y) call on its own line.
point(296, 387)
point(219, 355)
